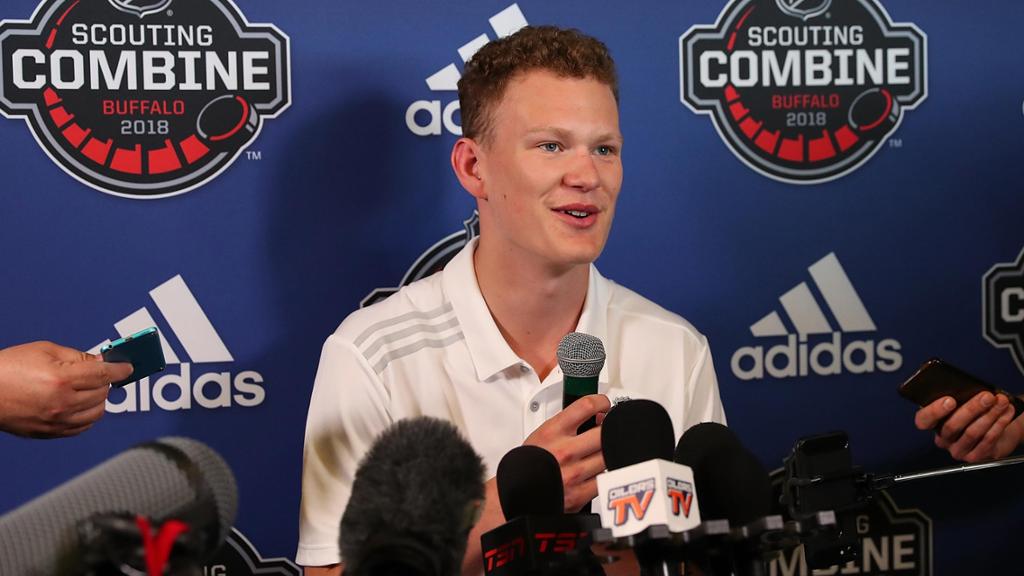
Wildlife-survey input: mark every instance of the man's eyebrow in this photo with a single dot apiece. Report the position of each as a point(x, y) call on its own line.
point(565, 134)
point(560, 132)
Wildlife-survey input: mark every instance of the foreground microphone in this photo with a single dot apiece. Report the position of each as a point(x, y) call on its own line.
point(170, 478)
point(581, 357)
point(539, 538)
point(643, 487)
point(530, 483)
point(415, 497)
point(734, 486)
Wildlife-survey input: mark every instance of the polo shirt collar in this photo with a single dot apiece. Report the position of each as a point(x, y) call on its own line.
point(488, 349)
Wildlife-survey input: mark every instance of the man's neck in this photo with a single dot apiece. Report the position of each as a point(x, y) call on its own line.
point(533, 305)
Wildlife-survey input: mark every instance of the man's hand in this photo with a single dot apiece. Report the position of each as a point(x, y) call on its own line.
point(580, 456)
point(982, 429)
point(49, 391)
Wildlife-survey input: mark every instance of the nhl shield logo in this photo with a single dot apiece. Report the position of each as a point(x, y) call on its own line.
point(435, 258)
point(804, 9)
point(141, 8)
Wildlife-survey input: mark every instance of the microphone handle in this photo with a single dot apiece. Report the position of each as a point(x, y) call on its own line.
point(574, 388)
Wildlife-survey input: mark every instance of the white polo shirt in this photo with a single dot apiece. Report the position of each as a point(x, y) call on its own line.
point(433, 349)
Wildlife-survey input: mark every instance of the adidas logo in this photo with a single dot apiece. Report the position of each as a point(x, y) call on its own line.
point(504, 23)
point(176, 389)
point(827, 354)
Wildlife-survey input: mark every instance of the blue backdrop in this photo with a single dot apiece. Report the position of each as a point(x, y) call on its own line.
point(340, 194)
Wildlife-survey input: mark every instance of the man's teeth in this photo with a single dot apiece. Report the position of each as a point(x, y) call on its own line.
point(577, 213)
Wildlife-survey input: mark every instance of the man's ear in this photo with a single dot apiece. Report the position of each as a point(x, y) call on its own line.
point(466, 161)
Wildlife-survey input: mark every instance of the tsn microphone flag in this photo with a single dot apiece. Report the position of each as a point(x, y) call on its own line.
point(655, 492)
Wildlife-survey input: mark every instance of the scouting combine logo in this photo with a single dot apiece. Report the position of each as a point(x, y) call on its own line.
point(143, 98)
point(1003, 307)
point(804, 91)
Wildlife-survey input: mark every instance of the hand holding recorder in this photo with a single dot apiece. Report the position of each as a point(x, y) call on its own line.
point(50, 391)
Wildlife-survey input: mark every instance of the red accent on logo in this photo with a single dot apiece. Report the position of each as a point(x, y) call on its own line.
point(505, 553)
point(164, 159)
point(129, 161)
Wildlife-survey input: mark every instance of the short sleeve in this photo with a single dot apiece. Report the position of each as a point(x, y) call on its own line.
point(347, 411)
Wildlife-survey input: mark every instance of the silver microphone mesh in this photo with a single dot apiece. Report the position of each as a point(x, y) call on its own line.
point(580, 355)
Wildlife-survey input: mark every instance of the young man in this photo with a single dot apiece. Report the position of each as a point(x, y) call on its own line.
point(475, 344)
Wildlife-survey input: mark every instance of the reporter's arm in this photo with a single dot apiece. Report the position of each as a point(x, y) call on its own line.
point(982, 429)
point(50, 391)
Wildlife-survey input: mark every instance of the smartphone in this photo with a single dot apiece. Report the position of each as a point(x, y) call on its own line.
point(142, 349)
point(935, 379)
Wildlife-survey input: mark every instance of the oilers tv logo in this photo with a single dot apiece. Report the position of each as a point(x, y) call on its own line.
point(804, 91)
point(632, 499)
point(143, 98)
point(680, 496)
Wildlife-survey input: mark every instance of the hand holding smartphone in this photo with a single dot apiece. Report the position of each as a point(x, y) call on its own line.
point(935, 379)
point(141, 349)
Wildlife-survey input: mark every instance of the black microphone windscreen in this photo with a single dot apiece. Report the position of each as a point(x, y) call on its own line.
point(530, 483)
point(731, 483)
point(413, 501)
point(169, 478)
point(636, 431)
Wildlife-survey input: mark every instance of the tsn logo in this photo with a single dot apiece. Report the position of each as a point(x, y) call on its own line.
point(558, 543)
point(502, 555)
point(632, 498)
point(680, 493)
point(547, 543)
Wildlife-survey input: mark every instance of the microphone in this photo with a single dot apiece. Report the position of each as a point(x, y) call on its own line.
point(581, 357)
point(642, 486)
point(530, 483)
point(734, 486)
point(170, 478)
point(538, 538)
point(415, 497)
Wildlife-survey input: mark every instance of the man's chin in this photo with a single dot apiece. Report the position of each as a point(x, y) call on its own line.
point(581, 255)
